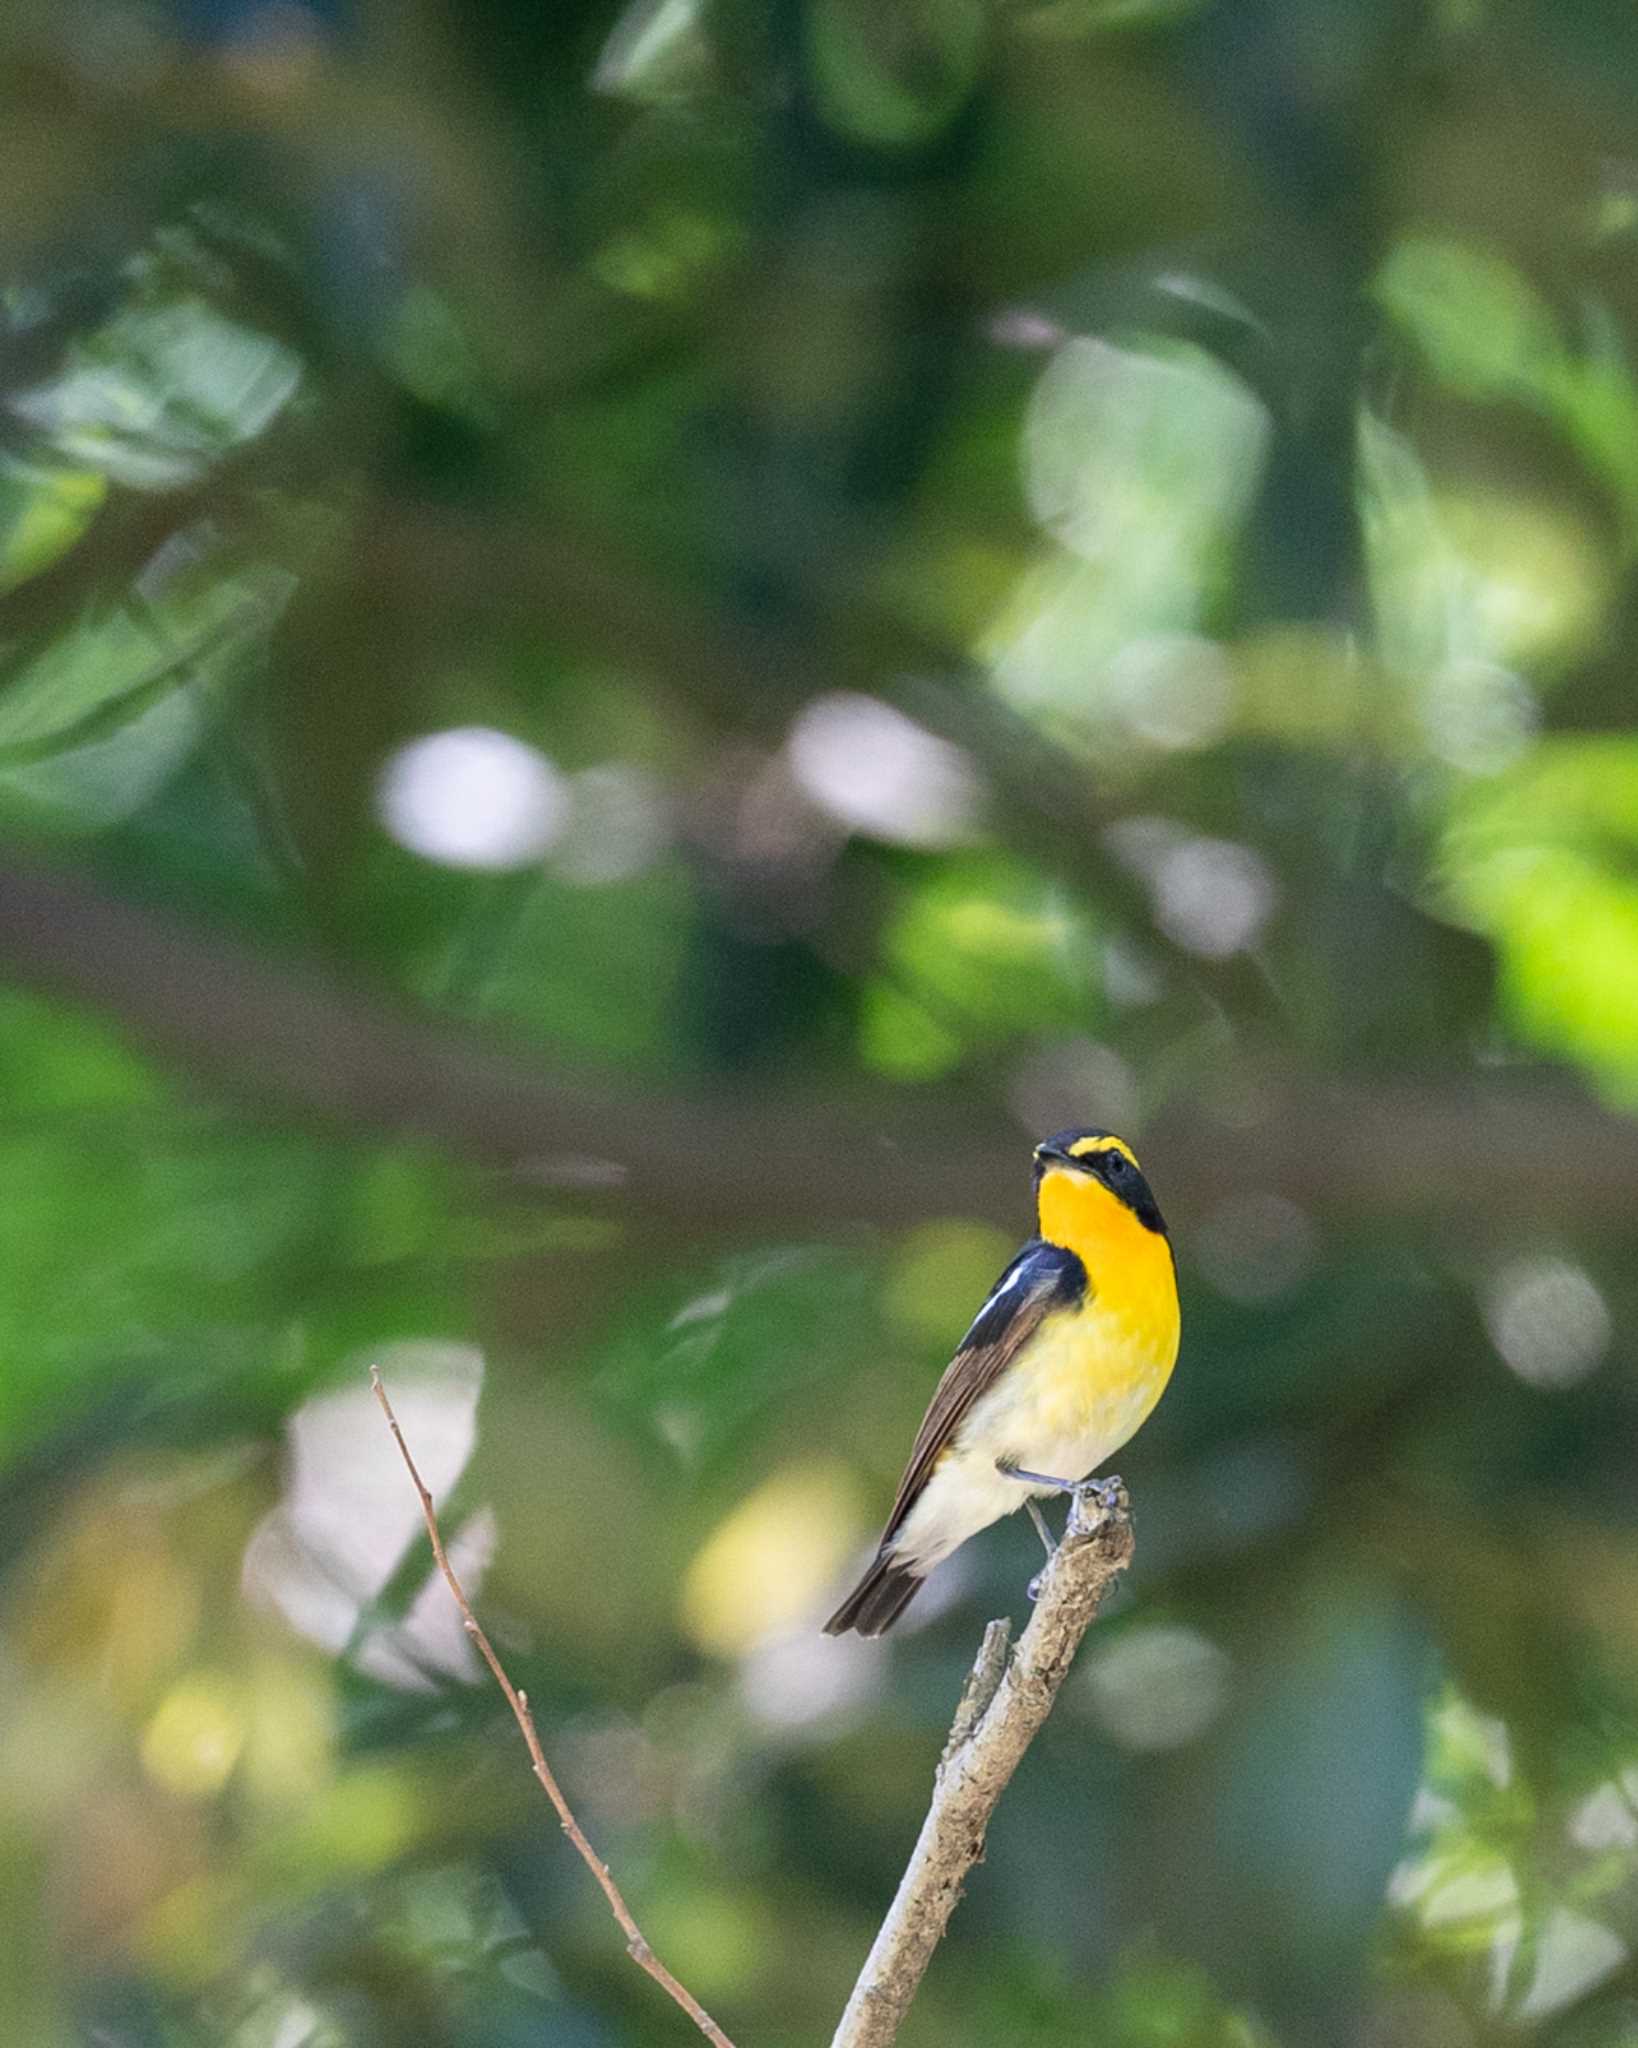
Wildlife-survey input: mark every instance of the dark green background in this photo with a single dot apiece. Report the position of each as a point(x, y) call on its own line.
point(1213, 429)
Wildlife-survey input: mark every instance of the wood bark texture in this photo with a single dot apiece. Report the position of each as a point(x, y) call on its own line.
point(1002, 1707)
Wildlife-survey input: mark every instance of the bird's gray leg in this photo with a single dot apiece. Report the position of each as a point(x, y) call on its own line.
point(1104, 1494)
point(1047, 1541)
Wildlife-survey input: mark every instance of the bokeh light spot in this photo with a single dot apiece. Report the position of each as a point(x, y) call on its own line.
point(941, 1275)
point(881, 774)
point(617, 825)
point(1478, 716)
point(773, 1560)
point(1547, 1319)
point(349, 1514)
point(1214, 896)
point(1126, 449)
point(1158, 1687)
point(1172, 690)
point(473, 798)
point(1573, 1954)
point(362, 1821)
point(194, 1738)
point(1255, 1247)
point(798, 1676)
point(1075, 1081)
point(1608, 1817)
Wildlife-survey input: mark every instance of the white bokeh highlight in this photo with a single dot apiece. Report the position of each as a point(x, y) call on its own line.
point(880, 774)
point(1158, 1687)
point(793, 1678)
point(1256, 1246)
point(472, 797)
point(1172, 690)
point(618, 825)
point(1213, 896)
point(349, 1514)
point(1547, 1319)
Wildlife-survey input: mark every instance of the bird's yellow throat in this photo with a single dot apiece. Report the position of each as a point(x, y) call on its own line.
point(1122, 1256)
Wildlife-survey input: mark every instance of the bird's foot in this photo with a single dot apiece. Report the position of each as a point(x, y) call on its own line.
point(1091, 1501)
point(1096, 1501)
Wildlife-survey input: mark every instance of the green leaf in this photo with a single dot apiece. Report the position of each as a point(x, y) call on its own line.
point(1544, 861)
point(1489, 336)
point(161, 392)
point(44, 509)
point(894, 78)
point(658, 52)
point(1482, 327)
point(134, 652)
point(982, 951)
point(1470, 576)
point(1142, 463)
point(767, 1327)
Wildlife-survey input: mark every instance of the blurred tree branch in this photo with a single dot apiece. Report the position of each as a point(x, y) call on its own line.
point(636, 1946)
point(1004, 1704)
point(279, 1034)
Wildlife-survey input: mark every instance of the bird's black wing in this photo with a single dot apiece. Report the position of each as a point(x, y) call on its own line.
point(1042, 1278)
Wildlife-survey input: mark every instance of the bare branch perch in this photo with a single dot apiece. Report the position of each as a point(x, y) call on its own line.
point(636, 1947)
point(999, 1715)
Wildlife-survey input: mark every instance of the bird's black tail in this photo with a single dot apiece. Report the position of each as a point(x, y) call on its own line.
point(878, 1600)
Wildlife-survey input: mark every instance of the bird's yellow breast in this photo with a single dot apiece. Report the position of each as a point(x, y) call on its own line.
point(1115, 1353)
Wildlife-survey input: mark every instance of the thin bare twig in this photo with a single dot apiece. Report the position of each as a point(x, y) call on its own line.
point(636, 1947)
point(983, 1681)
point(984, 1750)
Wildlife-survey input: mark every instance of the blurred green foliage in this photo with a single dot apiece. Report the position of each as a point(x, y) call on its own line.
point(857, 582)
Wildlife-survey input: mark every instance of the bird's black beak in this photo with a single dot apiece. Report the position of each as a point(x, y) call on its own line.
point(1052, 1155)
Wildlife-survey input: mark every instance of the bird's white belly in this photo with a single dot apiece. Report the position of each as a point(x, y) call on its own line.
point(1080, 1392)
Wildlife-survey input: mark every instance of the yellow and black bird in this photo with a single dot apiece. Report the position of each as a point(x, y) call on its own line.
point(1063, 1363)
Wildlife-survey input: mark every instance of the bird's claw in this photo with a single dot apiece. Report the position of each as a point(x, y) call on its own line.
point(1096, 1501)
point(1092, 1502)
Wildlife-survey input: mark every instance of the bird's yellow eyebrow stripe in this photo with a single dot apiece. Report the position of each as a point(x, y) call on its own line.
point(1084, 1148)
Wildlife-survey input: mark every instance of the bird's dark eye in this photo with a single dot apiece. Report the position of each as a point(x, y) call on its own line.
point(1115, 1165)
